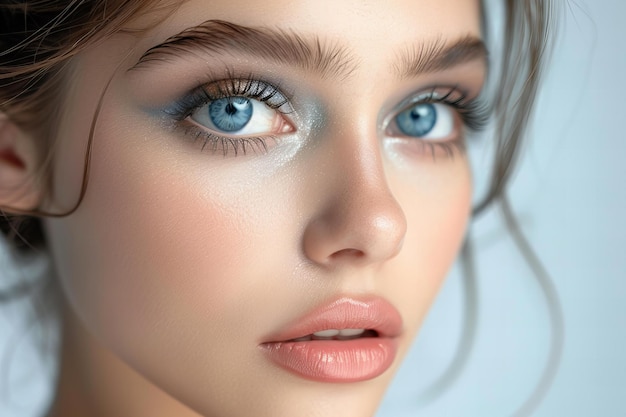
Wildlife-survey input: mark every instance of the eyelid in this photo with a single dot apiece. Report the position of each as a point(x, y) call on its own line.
point(267, 94)
point(249, 87)
point(431, 96)
point(473, 112)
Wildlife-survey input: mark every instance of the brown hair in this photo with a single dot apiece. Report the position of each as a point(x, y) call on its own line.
point(38, 39)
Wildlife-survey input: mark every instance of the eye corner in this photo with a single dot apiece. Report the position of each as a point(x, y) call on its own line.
point(285, 127)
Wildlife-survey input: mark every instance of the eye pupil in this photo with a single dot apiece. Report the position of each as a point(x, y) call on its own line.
point(230, 109)
point(419, 120)
point(230, 114)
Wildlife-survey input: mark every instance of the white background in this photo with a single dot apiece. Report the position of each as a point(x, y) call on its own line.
point(570, 198)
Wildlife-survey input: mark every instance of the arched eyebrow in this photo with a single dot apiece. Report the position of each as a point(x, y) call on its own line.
point(278, 46)
point(217, 37)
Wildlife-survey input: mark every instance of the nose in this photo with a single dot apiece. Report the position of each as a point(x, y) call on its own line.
point(357, 219)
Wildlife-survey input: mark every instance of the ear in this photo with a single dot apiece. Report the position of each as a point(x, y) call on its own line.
point(19, 185)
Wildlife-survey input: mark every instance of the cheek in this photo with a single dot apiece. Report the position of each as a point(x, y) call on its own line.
point(155, 243)
point(176, 263)
point(437, 206)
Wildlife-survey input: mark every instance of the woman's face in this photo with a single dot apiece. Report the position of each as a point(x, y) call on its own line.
point(283, 169)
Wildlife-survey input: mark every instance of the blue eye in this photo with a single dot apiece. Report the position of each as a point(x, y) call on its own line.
point(240, 116)
point(418, 120)
point(230, 114)
point(434, 121)
point(233, 115)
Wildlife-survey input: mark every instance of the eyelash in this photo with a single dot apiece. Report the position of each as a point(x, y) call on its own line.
point(474, 114)
point(247, 87)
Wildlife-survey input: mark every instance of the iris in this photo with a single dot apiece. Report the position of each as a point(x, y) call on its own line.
point(418, 120)
point(230, 114)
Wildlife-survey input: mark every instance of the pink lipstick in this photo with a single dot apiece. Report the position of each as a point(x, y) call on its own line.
point(347, 340)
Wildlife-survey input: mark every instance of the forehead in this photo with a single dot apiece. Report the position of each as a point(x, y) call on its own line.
point(371, 24)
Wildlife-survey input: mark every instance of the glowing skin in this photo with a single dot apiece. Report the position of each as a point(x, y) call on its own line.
point(180, 263)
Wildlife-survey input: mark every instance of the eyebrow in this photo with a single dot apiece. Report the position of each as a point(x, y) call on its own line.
point(438, 55)
point(280, 46)
point(310, 54)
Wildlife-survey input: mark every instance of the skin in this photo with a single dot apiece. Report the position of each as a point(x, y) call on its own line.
point(180, 261)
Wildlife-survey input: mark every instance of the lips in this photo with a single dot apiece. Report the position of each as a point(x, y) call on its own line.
point(348, 340)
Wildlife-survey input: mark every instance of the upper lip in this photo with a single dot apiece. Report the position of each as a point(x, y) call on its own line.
point(371, 313)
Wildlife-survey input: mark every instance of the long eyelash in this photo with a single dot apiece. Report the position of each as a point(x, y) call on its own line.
point(214, 143)
point(229, 86)
point(475, 113)
point(248, 87)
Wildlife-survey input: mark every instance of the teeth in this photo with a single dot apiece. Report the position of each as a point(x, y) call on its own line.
point(351, 332)
point(303, 339)
point(330, 334)
point(327, 333)
point(341, 334)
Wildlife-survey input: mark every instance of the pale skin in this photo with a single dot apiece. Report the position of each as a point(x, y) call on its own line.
point(180, 261)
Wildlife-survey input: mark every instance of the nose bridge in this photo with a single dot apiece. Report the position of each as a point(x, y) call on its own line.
point(358, 219)
point(362, 186)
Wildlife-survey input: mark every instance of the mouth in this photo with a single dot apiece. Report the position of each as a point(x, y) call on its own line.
point(337, 334)
point(348, 340)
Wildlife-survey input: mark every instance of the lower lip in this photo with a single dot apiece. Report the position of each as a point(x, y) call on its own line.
point(334, 360)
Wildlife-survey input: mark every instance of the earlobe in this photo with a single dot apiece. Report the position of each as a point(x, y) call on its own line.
point(19, 185)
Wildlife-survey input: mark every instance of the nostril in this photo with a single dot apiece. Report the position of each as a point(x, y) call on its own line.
point(348, 253)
